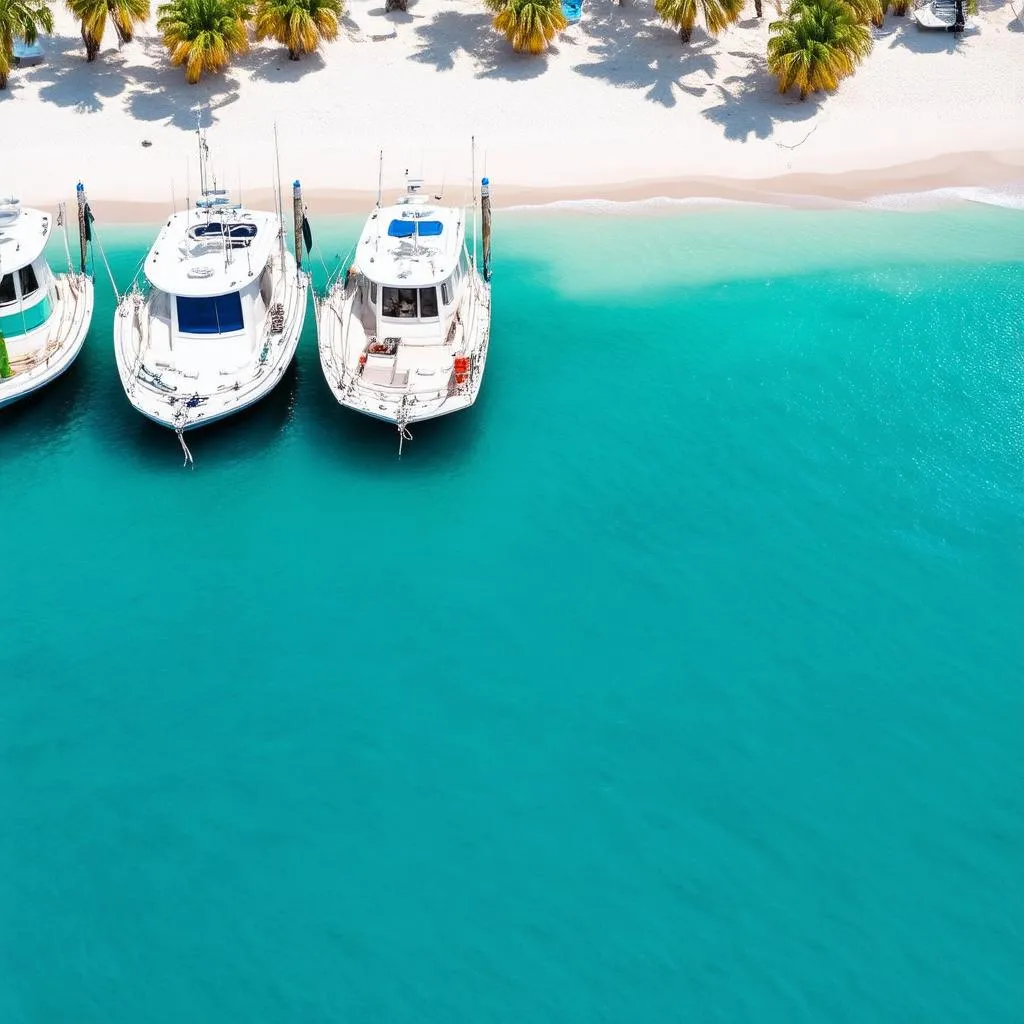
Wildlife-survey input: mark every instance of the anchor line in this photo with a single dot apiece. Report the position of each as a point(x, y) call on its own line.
point(179, 429)
point(189, 461)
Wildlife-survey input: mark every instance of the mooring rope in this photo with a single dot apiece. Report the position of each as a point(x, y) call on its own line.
point(404, 434)
point(189, 461)
point(110, 273)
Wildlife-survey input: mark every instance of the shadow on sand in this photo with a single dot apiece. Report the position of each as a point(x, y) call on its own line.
point(451, 33)
point(905, 32)
point(156, 92)
point(750, 103)
point(634, 53)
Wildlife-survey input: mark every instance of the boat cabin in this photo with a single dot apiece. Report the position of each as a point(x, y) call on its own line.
point(212, 280)
point(412, 264)
point(27, 286)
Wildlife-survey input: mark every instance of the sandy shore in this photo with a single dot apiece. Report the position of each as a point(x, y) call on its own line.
point(619, 110)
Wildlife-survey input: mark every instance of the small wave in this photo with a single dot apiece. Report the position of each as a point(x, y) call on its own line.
point(626, 207)
point(1008, 198)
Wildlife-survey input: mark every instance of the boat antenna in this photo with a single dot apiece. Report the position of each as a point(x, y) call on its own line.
point(280, 210)
point(62, 220)
point(380, 179)
point(203, 153)
point(473, 162)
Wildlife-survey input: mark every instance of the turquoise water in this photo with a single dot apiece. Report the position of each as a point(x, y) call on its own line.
point(680, 680)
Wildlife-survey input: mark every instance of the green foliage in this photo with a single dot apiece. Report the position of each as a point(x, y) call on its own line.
point(5, 363)
point(529, 25)
point(93, 14)
point(203, 35)
point(300, 25)
point(816, 45)
point(682, 14)
point(20, 19)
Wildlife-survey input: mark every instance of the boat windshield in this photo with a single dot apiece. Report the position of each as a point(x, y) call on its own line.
point(409, 303)
point(210, 314)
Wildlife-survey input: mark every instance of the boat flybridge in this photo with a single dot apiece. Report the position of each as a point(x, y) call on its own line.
point(403, 334)
point(217, 321)
point(44, 317)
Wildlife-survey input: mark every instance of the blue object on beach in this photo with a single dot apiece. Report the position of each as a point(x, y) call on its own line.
point(27, 54)
point(573, 10)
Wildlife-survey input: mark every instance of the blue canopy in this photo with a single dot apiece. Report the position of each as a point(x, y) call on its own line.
point(407, 228)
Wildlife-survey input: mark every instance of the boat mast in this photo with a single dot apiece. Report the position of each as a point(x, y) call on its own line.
point(473, 163)
point(202, 158)
point(380, 179)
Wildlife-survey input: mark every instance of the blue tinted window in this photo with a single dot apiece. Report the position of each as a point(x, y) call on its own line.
point(213, 314)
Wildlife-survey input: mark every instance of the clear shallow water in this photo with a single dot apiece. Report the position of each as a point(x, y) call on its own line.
point(680, 680)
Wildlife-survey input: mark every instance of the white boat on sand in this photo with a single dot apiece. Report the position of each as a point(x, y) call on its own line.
point(44, 317)
point(215, 324)
point(403, 332)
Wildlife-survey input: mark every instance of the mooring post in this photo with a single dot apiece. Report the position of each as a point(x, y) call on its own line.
point(83, 224)
point(485, 217)
point(298, 218)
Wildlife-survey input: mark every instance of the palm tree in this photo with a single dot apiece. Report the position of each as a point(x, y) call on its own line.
point(20, 19)
point(395, 5)
point(93, 14)
point(298, 24)
point(203, 34)
point(866, 10)
point(816, 45)
point(682, 14)
point(529, 25)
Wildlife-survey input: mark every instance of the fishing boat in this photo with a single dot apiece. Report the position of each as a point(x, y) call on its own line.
point(44, 317)
point(215, 322)
point(403, 330)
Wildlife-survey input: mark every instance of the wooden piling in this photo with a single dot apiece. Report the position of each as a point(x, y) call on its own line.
point(485, 217)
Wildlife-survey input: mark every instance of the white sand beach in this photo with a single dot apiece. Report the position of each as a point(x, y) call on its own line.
point(619, 109)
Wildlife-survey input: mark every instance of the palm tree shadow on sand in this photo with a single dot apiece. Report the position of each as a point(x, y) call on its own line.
point(66, 79)
point(750, 104)
point(450, 33)
point(633, 53)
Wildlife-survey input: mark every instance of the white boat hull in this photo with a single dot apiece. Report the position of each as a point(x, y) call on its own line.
point(176, 398)
point(342, 339)
point(42, 355)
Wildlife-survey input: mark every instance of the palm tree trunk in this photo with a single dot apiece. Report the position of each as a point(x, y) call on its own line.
point(124, 35)
point(803, 94)
point(293, 54)
point(757, 8)
point(395, 5)
point(3, 79)
point(684, 35)
point(92, 46)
